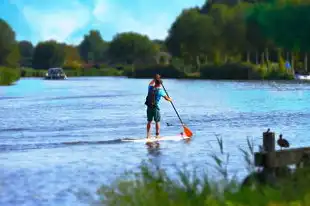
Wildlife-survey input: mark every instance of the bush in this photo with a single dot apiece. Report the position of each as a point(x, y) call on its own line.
point(8, 76)
point(166, 71)
point(28, 72)
point(245, 71)
point(72, 66)
point(275, 71)
point(238, 71)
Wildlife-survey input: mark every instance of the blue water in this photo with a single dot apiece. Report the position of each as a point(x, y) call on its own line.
point(60, 140)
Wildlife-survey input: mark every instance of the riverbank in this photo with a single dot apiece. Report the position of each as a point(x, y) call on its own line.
point(232, 71)
point(153, 186)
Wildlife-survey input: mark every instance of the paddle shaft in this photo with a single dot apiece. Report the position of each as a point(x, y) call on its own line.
point(173, 105)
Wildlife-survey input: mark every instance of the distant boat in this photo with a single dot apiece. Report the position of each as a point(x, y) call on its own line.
point(55, 74)
point(302, 76)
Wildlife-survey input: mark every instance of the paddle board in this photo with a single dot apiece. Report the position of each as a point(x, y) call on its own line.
point(153, 139)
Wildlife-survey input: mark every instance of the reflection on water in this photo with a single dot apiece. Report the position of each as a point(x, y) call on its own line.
point(153, 148)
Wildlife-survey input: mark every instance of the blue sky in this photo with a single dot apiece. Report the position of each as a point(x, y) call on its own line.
point(69, 20)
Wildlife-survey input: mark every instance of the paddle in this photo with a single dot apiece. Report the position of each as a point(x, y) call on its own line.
point(187, 131)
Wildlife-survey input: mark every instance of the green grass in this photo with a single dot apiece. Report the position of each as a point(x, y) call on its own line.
point(8, 76)
point(152, 186)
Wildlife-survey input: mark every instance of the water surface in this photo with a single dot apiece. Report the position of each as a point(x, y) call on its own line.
point(60, 140)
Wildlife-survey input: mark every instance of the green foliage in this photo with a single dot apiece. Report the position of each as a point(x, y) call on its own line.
point(151, 185)
point(93, 48)
point(8, 76)
point(28, 72)
point(48, 54)
point(284, 23)
point(129, 47)
point(9, 53)
point(210, 40)
point(191, 35)
point(244, 71)
point(227, 71)
point(167, 71)
point(26, 50)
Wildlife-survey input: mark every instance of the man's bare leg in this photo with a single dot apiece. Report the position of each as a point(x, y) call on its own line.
point(148, 127)
point(157, 129)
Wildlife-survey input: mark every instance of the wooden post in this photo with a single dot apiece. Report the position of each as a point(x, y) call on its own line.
point(269, 142)
point(269, 146)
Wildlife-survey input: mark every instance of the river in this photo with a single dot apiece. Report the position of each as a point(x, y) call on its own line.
point(39, 116)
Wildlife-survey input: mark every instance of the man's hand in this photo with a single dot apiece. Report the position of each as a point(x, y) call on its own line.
point(168, 98)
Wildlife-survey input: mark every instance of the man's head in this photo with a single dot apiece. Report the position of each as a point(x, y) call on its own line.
point(157, 80)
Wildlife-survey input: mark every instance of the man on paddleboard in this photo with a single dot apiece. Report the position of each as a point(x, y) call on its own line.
point(155, 92)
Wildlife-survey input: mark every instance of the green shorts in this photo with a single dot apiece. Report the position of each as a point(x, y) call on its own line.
point(153, 113)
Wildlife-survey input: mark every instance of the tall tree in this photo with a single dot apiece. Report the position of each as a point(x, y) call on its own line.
point(26, 51)
point(191, 36)
point(9, 53)
point(130, 46)
point(48, 54)
point(93, 48)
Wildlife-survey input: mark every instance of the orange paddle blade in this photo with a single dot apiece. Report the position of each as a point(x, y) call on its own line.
point(187, 131)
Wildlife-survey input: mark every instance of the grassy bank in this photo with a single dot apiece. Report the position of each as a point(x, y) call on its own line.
point(152, 186)
point(232, 71)
point(8, 76)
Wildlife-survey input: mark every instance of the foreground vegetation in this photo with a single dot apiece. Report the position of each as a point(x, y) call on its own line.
point(152, 186)
point(8, 76)
point(219, 40)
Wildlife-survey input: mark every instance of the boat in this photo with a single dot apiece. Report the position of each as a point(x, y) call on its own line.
point(304, 77)
point(55, 74)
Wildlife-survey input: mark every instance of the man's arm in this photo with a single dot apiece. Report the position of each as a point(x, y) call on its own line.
point(168, 98)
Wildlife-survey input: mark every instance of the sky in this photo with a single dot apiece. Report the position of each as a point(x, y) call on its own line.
point(69, 20)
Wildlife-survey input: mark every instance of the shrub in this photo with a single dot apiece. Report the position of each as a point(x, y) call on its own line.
point(72, 66)
point(166, 71)
point(227, 71)
point(28, 72)
point(8, 76)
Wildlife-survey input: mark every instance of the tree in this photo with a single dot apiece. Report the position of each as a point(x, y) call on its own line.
point(93, 48)
point(26, 51)
point(191, 36)
point(9, 54)
point(71, 54)
point(129, 47)
point(48, 54)
point(285, 24)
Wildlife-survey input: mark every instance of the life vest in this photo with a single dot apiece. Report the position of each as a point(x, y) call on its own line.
point(150, 100)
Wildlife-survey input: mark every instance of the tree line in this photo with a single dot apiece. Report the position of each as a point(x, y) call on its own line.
point(213, 35)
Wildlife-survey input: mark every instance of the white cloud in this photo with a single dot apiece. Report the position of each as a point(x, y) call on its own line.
point(57, 24)
point(156, 26)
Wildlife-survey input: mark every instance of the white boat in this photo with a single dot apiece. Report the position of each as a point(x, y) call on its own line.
point(302, 77)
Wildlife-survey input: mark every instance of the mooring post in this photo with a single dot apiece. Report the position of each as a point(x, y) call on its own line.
point(269, 142)
point(269, 145)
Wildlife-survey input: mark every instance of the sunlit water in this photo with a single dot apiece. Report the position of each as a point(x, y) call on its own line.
point(44, 123)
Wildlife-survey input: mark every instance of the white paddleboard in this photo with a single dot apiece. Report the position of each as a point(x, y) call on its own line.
point(153, 139)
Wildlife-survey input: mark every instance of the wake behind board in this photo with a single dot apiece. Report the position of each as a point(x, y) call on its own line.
point(153, 139)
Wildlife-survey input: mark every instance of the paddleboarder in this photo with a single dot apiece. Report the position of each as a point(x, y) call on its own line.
point(155, 92)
